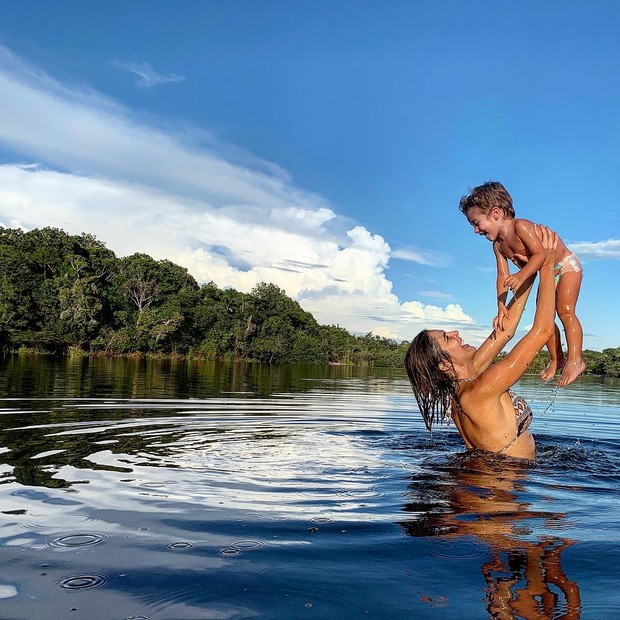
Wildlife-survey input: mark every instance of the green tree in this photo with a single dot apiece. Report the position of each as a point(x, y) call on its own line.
point(59, 290)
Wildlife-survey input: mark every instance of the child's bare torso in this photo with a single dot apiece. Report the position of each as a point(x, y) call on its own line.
point(513, 249)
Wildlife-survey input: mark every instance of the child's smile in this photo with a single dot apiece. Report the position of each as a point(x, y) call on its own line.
point(483, 223)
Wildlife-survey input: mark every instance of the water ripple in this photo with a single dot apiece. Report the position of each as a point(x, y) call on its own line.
point(312, 488)
point(180, 546)
point(78, 540)
point(81, 582)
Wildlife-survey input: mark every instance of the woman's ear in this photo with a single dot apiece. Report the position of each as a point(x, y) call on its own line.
point(445, 367)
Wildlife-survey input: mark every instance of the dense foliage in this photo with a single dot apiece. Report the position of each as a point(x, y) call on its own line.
point(61, 292)
point(605, 363)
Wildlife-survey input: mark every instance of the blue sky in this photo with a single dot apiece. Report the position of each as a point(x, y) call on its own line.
point(322, 146)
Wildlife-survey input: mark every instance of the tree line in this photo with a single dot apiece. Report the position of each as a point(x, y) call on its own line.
point(605, 362)
point(69, 293)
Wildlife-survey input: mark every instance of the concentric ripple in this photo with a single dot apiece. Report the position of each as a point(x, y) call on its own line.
point(240, 546)
point(180, 546)
point(81, 582)
point(77, 540)
point(457, 549)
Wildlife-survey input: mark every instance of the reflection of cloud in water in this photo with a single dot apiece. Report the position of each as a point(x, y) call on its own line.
point(276, 471)
point(273, 457)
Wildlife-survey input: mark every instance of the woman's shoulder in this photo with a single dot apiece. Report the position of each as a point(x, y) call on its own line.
point(481, 389)
point(481, 403)
point(472, 393)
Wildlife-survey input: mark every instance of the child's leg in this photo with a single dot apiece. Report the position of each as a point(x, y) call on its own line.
point(567, 294)
point(557, 360)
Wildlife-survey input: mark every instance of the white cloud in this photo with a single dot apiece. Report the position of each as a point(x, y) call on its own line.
point(597, 249)
point(451, 313)
point(147, 76)
point(139, 188)
point(423, 257)
point(435, 295)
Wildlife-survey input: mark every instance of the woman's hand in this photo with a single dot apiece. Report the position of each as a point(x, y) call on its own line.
point(502, 315)
point(549, 240)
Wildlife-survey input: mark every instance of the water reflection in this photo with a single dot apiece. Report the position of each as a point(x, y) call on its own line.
point(484, 497)
point(39, 376)
point(86, 414)
point(195, 490)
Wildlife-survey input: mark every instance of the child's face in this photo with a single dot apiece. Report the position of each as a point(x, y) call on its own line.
point(486, 224)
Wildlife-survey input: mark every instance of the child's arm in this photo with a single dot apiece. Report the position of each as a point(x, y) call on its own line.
point(526, 233)
point(502, 290)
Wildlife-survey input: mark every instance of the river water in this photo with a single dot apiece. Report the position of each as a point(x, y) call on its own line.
point(158, 489)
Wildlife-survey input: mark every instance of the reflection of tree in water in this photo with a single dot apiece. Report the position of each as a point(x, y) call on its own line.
point(478, 495)
point(39, 376)
point(32, 429)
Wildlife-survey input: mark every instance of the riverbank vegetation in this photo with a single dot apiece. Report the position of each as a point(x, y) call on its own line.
point(67, 293)
point(64, 293)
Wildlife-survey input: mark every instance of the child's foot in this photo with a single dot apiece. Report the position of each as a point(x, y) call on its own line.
point(571, 371)
point(548, 372)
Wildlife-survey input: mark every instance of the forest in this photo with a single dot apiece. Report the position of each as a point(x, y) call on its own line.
point(70, 294)
point(62, 293)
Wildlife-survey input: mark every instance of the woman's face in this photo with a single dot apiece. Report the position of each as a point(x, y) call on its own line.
point(452, 344)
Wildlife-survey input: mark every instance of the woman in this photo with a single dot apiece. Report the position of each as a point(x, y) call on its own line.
point(452, 378)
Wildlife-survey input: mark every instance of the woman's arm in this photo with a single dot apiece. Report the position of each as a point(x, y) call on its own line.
point(498, 339)
point(499, 377)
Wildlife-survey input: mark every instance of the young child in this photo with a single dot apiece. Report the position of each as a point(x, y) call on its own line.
point(488, 208)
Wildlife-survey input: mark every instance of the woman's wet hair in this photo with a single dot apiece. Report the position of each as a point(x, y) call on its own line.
point(432, 387)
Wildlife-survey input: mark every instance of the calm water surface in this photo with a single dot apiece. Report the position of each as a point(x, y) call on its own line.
point(152, 490)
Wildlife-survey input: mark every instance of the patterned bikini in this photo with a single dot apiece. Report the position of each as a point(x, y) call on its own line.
point(523, 415)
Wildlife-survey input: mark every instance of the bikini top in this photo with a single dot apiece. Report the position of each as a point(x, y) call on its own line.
point(523, 414)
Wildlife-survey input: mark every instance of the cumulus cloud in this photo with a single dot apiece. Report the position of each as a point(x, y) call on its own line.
point(84, 164)
point(147, 76)
point(609, 249)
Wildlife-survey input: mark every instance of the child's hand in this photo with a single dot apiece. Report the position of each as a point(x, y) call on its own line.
point(502, 315)
point(514, 282)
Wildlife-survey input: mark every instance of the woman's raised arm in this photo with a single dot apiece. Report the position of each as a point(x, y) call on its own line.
point(497, 340)
point(508, 371)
